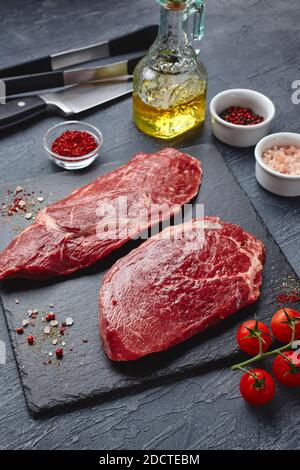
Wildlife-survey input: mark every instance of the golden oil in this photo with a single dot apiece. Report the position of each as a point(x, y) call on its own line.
point(172, 122)
point(170, 82)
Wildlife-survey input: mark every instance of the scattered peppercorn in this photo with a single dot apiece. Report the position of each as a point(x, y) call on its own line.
point(53, 330)
point(292, 297)
point(20, 202)
point(59, 353)
point(241, 116)
point(50, 317)
point(74, 144)
point(30, 339)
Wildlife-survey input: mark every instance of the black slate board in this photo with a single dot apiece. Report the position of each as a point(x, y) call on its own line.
point(85, 372)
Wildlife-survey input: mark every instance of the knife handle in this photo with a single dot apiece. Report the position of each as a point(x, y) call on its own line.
point(17, 111)
point(43, 64)
point(27, 83)
point(133, 42)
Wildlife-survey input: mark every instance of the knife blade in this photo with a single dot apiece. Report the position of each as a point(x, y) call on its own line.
point(42, 81)
point(67, 102)
point(136, 41)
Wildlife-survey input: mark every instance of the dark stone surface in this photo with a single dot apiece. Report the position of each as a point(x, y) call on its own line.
point(53, 385)
point(252, 45)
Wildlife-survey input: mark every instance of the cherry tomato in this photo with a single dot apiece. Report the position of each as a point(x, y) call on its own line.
point(248, 334)
point(287, 371)
point(281, 324)
point(257, 387)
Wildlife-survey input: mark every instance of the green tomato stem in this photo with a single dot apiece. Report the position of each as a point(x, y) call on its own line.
point(262, 355)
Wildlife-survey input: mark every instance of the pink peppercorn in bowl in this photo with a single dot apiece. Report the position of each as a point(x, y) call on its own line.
point(78, 142)
point(241, 135)
point(268, 152)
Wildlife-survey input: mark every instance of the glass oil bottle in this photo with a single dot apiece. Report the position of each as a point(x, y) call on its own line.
point(170, 83)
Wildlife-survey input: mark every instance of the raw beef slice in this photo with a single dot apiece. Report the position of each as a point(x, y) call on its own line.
point(78, 230)
point(177, 284)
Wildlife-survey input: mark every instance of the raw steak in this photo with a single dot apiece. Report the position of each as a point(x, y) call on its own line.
point(177, 284)
point(81, 228)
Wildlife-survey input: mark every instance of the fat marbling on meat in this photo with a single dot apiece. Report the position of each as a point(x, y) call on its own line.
point(177, 284)
point(77, 231)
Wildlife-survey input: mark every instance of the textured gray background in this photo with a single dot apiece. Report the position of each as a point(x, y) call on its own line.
point(254, 44)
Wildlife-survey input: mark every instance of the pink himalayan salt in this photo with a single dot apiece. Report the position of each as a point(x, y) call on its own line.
point(285, 159)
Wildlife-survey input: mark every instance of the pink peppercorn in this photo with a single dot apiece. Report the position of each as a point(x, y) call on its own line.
point(30, 339)
point(59, 353)
point(241, 116)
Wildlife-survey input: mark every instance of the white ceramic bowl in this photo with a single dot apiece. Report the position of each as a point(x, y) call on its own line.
point(278, 183)
point(237, 135)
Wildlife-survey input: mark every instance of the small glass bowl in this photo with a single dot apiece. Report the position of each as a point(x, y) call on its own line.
point(72, 163)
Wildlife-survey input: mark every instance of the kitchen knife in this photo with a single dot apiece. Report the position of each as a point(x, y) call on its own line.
point(42, 81)
point(136, 41)
point(73, 100)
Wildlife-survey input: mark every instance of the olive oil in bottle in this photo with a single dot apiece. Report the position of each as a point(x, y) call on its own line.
point(169, 90)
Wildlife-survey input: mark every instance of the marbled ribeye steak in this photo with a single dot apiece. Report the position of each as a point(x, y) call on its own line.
point(177, 284)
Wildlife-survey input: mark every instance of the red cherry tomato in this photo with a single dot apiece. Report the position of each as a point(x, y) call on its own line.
point(287, 371)
point(248, 334)
point(281, 324)
point(257, 387)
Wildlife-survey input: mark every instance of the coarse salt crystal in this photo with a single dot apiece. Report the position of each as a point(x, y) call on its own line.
point(284, 159)
point(28, 215)
point(69, 321)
